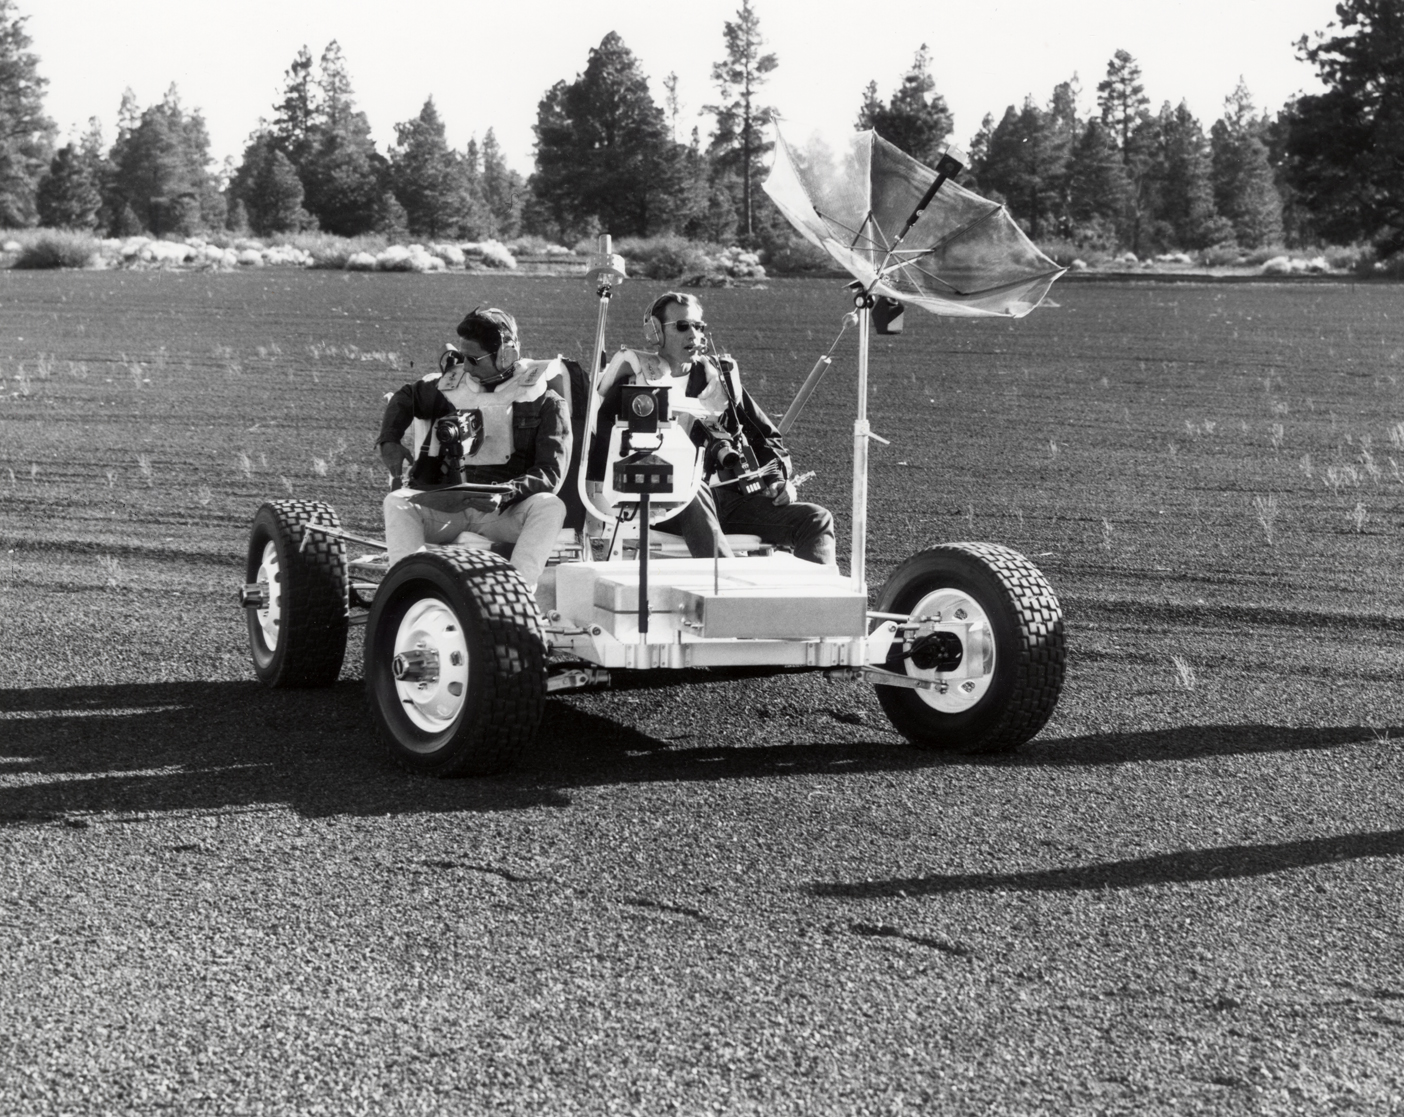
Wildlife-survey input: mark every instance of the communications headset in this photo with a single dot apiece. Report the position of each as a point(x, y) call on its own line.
point(508, 351)
point(653, 320)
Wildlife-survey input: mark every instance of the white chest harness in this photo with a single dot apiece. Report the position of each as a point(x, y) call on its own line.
point(463, 391)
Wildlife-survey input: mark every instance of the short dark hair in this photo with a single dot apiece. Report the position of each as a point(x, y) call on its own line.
point(670, 298)
point(487, 327)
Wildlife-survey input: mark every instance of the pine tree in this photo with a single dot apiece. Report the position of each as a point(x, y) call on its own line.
point(269, 190)
point(1025, 163)
point(68, 197)
point(335, 103)
point(916, 118)
point(1124, 107)
point(1098, 186)
point(477, 222)
point(738, 144)
point(977, 152)
point(1187, 191)
point(670, 86)
point(502, 189)
point(296, 114)
point(425, 176)
point(603, 156)
point(92, 151)
point(161, 169)
point(391, 220)
point(1344, 147)
point(1063, 126)
point(1122, 99)
point(1245, 190)
point(26, 134)
point(342, 174)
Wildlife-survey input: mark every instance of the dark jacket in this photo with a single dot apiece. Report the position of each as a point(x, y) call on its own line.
point(746, 419)
point(743, 419)
point(541, 441)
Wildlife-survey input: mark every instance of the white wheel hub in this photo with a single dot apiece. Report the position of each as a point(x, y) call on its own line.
point(270, 617)
point(955, 692)
point(430, 665)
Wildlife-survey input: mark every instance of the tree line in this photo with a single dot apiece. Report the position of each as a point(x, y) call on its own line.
point(609, 156)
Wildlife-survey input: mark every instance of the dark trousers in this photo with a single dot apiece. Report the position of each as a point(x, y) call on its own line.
point(700, 527)
point(808, 529)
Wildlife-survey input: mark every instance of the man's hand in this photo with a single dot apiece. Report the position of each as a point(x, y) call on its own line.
point(394, 455)
point(781, 493)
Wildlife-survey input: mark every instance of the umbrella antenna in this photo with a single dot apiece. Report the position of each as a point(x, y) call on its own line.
point(948, 166)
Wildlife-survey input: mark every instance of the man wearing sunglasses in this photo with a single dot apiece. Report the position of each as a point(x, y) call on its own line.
point(679, 337)
point(493, 408)
point(751, 491)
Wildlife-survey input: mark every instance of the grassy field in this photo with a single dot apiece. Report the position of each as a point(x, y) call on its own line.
point(733, 895)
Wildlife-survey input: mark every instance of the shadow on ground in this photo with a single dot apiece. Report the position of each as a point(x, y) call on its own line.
point(1223, 863)
point(152, 748)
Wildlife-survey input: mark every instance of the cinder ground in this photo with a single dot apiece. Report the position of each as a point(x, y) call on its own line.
point(715, 894)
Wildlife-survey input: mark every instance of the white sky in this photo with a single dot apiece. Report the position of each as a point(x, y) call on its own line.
point(488, 64)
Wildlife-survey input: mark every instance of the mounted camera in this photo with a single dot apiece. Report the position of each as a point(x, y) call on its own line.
point(646, 409)
point(459, 435)
point(641, 471)
point(739, 465)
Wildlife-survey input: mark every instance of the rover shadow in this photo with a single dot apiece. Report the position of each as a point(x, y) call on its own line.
point(1185, 742)
point(219, 746)
point(1183, 867)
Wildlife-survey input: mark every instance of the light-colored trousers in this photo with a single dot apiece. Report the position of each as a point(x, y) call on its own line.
point(531, 525)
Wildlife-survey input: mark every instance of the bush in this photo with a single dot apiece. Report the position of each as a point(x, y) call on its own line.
point(537, 246)
point(1220, 256)
point(415, 258)
point(664, 257)
point(1061, 251)
point(793, 255)
point(56, 248)
point(1348, 257)
point(490, 254)
point(1391, 266)
point(1263, 254)
point(328, 250)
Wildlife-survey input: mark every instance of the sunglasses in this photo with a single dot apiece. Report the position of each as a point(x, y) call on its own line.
point(682, 325)
point(475, 361)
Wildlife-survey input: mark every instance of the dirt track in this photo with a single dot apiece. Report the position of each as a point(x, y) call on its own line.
point(734, 895)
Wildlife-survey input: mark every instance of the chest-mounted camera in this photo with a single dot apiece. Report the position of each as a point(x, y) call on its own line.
point(459, 435)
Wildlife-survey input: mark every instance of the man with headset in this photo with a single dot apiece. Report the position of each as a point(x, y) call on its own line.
point(751, 488)
point(491, 409)
point(671, 365)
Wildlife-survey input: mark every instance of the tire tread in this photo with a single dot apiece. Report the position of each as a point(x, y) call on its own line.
point(315, 610)
point(513, 695)
point(1041, 659)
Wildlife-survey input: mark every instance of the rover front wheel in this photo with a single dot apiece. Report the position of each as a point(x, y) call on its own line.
point(455, 663)
point(984, 630)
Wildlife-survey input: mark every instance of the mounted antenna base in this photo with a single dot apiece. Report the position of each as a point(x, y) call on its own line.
point(606, 267)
